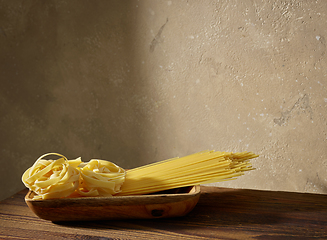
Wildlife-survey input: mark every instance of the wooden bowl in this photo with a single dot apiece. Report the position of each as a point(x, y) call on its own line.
point(172, 203)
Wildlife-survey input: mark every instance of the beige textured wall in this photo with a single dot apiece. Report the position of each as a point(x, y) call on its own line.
point(141, 81)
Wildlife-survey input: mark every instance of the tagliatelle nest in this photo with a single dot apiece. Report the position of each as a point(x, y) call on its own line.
point(52, 178)
point(100, 178)
point(63, 178)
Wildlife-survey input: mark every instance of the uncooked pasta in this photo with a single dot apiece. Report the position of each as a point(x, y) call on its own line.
point(99, 178)
point(199, 168)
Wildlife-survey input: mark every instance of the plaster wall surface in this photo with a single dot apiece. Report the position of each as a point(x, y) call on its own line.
point(135, 82)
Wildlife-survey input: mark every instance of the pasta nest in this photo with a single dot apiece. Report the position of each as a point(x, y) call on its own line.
point(100, 178)
point(52, 178)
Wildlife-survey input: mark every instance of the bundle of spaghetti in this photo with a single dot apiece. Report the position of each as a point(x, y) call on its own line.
point(195, 169)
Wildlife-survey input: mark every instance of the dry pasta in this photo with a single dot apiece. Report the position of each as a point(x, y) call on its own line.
point(73, 178)
point(199, 168)
point(100, 178)
point(52, 178)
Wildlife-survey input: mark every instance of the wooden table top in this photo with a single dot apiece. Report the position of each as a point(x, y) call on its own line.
point(221, 213)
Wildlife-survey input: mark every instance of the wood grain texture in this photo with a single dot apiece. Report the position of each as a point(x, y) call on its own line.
point(161, 205)
point(221, 213)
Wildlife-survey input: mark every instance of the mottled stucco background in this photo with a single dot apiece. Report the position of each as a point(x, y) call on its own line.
point(135, 82)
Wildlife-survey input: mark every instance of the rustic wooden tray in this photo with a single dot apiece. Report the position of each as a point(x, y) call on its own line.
point(172, 203)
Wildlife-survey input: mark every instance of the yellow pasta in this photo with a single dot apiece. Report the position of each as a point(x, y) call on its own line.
point(199, 168)
point(73, 178)
point(100, 178)
point(52, 178)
